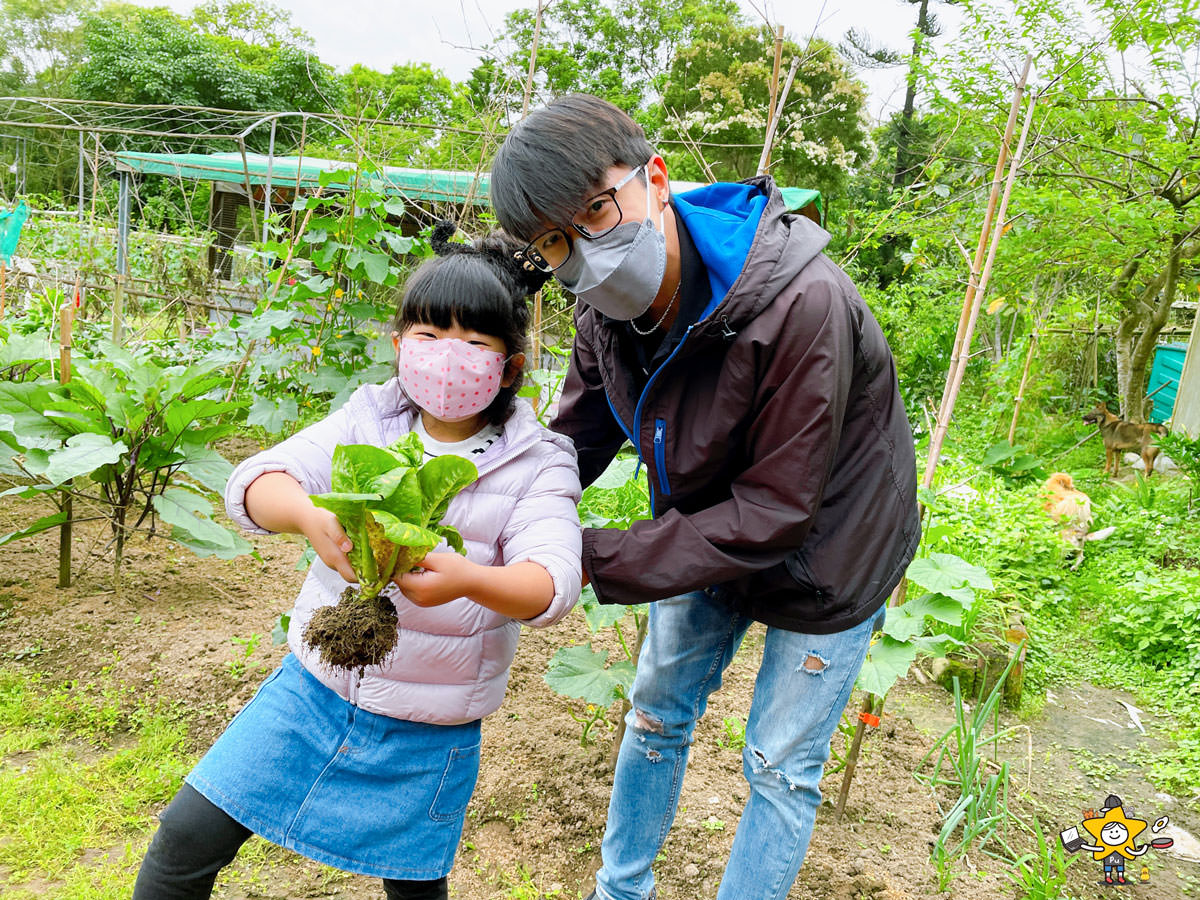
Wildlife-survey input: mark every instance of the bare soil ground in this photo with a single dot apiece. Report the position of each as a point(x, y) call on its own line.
point(535, 823)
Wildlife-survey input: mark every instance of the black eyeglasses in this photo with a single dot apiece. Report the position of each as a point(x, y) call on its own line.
point(600, 215)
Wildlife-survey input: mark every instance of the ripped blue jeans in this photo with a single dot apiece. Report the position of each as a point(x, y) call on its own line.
point(802, 687)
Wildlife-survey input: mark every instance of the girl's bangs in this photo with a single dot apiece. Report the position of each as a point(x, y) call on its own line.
point(458, 289)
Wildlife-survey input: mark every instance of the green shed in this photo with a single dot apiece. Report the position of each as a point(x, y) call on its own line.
point(1164, 379)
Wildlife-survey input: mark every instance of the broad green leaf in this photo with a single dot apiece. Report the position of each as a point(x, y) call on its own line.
point(357, 467)
point(409, 449)
point(945, 573)
point(272, 415)
point(43, 524)
point(999, 452)
point(182, 415)
point(441, 479)
point(619, 471)
point(18, 349)
point(208, 467)
point(190, 515)
point(26, 403)
point(280, 629)
point(580, 672)
point(599, 615)
point(393, 206)
point(908, 621)
point(401, 492)
point(398, 244)
point(83, 454)
point(887, 662)
point(406, 534)
point(453, 538)
point(903, 623)
point(346, 506)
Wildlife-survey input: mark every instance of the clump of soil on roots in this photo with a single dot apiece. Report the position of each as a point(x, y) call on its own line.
point(355, 633)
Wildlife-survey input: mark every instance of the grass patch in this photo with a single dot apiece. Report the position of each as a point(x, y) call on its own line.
point(83, 770)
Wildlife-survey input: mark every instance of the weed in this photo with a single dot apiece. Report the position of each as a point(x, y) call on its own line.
point(733, 734)
point(1043, 874)
point(240, 664)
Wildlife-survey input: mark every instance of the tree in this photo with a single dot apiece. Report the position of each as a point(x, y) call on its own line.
point(153, 56)
point(247, 22)
point(620, 50)
point(39, 39)
point(1110, 196)
point(859, 48)
point(717, 95)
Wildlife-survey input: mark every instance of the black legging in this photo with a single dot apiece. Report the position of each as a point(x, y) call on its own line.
point(196, 839)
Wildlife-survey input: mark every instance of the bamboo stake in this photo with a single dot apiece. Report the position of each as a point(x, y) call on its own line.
point(3, 288)
point(776, 116)
point(957, 374)
point(64, 376)
point(774, 85)
point(537, 30)
point(970, 313)
point(960, 347)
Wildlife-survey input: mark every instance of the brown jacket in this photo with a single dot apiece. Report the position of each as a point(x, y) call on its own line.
point(779, 456)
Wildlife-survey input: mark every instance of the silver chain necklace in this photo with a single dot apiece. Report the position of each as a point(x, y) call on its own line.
point(666, 312)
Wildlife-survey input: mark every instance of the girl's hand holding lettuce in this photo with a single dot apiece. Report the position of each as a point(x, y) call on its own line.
point(390, 507)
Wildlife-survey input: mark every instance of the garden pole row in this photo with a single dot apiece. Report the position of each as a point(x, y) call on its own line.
point(961, 352)
point(774, 87)
point(270, 186)
point(872, 707)
point(64, 376)
point(122, 254)
point(537, 297)
point(776, 115)
point(960, 372)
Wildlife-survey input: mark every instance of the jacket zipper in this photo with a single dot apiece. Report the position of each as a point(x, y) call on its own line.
point(637, 420)
point(660, 455)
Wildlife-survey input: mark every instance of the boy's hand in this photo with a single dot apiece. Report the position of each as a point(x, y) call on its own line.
point(442, 577)
point(325, 533)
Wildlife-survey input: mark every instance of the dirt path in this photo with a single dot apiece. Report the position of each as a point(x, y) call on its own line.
point(535, 823)
point(1069, 759)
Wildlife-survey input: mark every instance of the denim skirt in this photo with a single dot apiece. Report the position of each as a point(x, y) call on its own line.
point(363, 792)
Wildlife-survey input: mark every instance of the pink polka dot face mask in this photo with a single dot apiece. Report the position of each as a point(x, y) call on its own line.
point(448, 378)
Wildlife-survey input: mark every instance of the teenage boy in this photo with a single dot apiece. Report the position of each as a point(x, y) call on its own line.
point(760, 394)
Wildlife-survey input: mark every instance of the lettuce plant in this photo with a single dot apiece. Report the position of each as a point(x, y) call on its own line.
point(391, 507)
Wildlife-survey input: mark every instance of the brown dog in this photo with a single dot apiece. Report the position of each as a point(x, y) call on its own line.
point(1120, 435)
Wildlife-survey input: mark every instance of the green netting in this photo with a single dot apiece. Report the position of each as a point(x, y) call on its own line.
point(11, 221)
point(287, 171)
point(436, 185)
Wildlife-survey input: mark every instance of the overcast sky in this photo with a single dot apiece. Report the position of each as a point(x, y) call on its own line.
point(382, 33)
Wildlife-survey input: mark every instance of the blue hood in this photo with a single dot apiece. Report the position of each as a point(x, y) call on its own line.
point(725, 220)
point(722, 220)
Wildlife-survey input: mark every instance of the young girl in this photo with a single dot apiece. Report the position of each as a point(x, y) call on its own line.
point(372, 772)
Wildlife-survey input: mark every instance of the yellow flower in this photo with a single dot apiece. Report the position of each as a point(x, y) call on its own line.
point(328, 307)
point(358, 294)
point(316, 351)
point(338, 294)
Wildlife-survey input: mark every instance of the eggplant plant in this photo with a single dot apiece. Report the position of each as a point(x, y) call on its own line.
point(117, 438)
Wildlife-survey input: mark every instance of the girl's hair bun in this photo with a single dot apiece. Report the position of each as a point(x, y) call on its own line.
point(499, 248)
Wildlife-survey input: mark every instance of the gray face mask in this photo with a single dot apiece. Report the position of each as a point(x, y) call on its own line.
point(620, 273)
